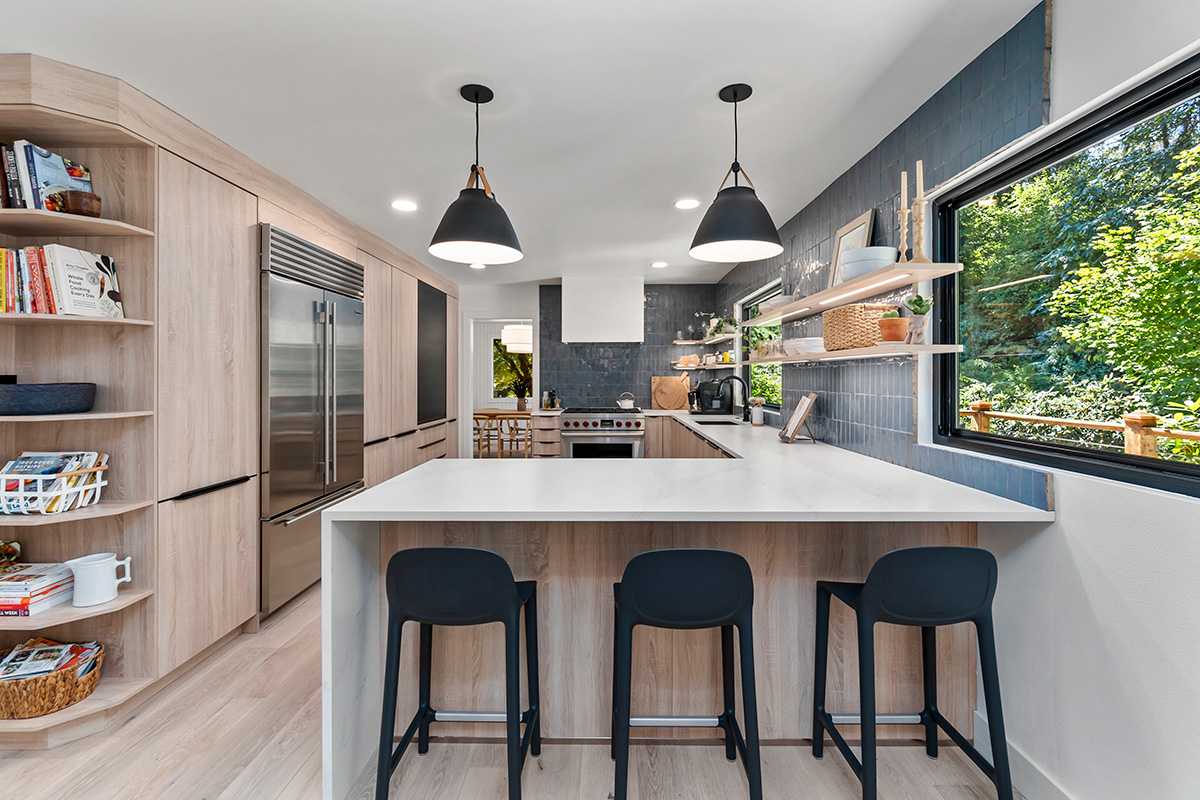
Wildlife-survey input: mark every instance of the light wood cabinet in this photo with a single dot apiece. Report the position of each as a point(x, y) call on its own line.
point(391, 457)
point(652, 444)
point(208, 289)
point(679, 441)
point(381, 411)
point(404, 352)
point(207, 569)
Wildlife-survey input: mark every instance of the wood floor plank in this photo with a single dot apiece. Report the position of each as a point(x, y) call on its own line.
point(245, 724)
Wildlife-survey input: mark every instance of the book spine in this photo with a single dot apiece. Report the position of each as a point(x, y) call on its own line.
point(23, 290)
point(10, 289)
point(19, 150)
point(13, 612)
point(35, 194)
point(15, 200)
point(4, 202)
point(37, 292)
point(47, 282)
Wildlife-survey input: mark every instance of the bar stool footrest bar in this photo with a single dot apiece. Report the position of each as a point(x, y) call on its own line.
point(675, 722)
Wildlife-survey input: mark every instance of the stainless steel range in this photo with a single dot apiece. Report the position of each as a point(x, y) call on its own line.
point(609, 432)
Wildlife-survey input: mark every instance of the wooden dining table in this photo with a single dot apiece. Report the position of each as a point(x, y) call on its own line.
point(493, 416)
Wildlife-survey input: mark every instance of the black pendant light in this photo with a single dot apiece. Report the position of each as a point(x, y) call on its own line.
point(475, 229)
point(736, 226)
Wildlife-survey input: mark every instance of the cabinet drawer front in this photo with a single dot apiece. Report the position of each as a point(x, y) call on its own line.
point(434, 433)
point(431, 451)
point(540, 449)
point(547, 437)
point(545, 423)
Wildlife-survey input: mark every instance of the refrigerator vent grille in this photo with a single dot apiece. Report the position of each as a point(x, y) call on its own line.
point(291, 256)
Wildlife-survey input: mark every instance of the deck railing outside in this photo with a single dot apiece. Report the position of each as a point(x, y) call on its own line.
point(1140, 428)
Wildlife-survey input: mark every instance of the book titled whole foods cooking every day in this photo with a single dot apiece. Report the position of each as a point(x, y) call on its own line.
point(84, 283)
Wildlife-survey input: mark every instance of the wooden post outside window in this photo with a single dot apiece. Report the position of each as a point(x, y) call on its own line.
point(979, 414)
point(1140, 440)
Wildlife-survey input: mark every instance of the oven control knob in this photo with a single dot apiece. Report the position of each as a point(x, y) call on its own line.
point(575, 423)
point(638, 424)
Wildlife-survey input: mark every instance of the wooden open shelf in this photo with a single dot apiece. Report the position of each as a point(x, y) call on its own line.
point(883, 350)
point(110, 693)
point(64, 614)
point(64, 319)
point(873, 283)
point(49, 127)
point(704, 367)
point(32, 222)
point(90, 416)
point(720, 337)
point(105, 508)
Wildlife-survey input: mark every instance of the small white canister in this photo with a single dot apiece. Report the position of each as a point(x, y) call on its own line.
point(756, 415)
point(96, 578)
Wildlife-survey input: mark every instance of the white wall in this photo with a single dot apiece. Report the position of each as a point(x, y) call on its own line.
point(501, 301)
point(1098, 615)
point(1100, 43)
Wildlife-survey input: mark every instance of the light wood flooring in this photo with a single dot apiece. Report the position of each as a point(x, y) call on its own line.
point(246, 724)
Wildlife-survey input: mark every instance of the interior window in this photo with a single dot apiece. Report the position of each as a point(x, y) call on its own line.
point(512, 373)
point(765, 380)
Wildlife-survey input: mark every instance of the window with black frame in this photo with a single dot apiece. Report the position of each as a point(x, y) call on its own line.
point(764, 380)
point(1078, 307)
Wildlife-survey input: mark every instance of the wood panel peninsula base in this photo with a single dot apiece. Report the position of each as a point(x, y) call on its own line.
point(576, 559)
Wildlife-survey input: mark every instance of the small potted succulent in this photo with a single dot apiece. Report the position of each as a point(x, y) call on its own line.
point(756, 410)
point(920, 307)
point(892, 326)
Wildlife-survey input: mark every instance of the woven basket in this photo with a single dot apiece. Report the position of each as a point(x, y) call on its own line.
point(45, 694)
point(855, 325)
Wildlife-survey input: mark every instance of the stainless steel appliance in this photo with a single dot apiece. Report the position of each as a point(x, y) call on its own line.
point(713, 397)
point(602, 432)
point(312, 404)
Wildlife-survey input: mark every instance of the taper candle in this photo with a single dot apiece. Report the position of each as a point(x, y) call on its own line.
point(903, 189)
point(920, 180)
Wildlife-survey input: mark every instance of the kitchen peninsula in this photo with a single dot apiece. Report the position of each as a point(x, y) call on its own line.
point(798, 513)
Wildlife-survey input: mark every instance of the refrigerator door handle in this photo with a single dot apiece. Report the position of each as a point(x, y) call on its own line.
point(322, 504)
point(333, 394)
point(323, 320)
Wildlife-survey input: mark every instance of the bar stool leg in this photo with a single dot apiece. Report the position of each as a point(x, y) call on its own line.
point(929, 678)
point(991, 693)
point(512, 674)
point(730, 697)
point(387, 725)
point(820, 670)
point(866, 688)
point(750, 707)
point(612, 747)
point(532, 668)
point(622, 666)
point(425, 674)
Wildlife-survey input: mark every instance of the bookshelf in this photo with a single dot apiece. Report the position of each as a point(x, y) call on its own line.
point(119, 356)
point(882, 350)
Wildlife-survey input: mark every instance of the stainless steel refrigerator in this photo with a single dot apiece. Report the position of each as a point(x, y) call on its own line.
point(312, 404)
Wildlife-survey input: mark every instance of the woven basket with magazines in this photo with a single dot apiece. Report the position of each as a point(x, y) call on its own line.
point(44, 694)
point(855, 325)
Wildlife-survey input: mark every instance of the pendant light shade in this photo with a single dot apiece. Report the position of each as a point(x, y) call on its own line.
point(475, 228)
point(737, 226)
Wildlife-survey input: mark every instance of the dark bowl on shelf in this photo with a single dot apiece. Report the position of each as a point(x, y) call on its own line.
point(28, 399)
point(73, 201)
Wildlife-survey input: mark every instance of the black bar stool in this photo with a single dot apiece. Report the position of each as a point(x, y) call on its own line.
point(686, 590)
point(459, 586)
point(925, 587)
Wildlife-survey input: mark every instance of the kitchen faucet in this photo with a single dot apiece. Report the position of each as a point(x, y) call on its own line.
point(745, 394)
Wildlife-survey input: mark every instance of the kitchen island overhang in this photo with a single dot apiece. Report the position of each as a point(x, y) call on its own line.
point(829, 516)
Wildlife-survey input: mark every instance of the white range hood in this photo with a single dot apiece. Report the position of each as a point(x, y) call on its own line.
point(608, 309)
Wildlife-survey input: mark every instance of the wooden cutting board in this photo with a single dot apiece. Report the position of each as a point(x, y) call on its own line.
point(669, 391)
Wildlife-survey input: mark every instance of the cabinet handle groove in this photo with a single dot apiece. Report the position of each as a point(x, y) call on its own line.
point(213, 487)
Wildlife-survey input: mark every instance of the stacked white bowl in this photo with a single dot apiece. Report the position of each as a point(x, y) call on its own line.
point(861, 260)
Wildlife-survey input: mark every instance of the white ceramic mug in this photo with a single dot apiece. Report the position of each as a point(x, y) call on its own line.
point(96, 578)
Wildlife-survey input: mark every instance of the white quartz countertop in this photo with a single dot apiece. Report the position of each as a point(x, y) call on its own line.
point(769, 481)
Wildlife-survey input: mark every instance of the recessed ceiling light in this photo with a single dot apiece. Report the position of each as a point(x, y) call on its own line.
point(659, 265)
point(479, 266)
point(405, 205)
point(687, 203)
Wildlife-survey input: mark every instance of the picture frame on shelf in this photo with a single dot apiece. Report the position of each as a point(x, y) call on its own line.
point(854, 234)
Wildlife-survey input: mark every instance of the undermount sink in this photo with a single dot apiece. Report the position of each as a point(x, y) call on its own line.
point(715, 422)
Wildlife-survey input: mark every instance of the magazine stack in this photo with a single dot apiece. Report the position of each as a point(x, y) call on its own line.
point(52, 482)
point(28, 589)
point(57, 279)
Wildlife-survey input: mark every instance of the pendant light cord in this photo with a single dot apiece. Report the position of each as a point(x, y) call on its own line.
point(736, 165)
point(476, 131)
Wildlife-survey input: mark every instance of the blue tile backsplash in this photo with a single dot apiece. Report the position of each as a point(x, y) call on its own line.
point(869, 406)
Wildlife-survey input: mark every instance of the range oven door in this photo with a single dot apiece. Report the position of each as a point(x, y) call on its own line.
point(602, 445)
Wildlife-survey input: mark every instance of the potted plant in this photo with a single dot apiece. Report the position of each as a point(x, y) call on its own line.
point(892, 327)
point(920, 307)
point(756, 410)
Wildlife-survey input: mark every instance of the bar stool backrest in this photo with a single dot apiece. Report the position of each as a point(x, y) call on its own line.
point(931, 585)
point(687, 588)
point(450, 586)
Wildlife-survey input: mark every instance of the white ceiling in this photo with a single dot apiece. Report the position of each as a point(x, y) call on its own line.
point(605, 112)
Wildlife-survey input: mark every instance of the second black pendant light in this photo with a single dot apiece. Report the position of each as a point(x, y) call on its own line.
point(737, 226)
point(475, 229)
